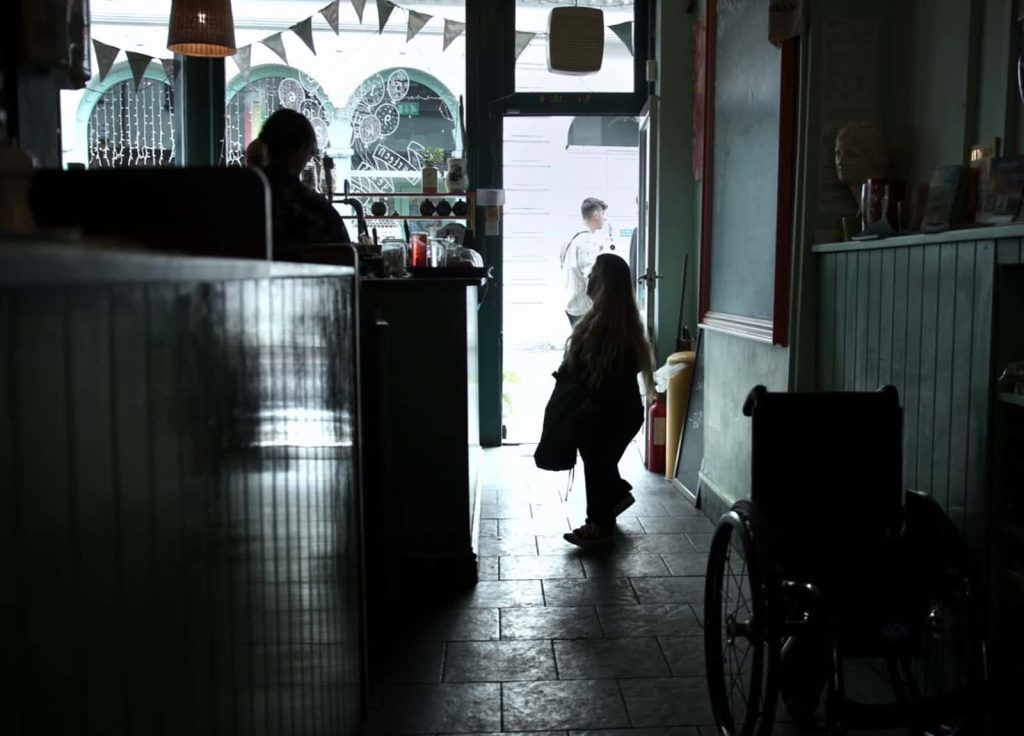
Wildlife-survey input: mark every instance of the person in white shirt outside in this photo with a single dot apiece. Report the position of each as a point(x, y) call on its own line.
point(578, 256)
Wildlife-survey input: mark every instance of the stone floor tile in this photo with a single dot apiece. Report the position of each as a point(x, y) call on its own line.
point(674, 701)
point(457, 624)
point(500, 546)
point(670, 590)
point(486, 568)
point(501, 594)
point(598, 591)
point(415, 661)
point(676, 524)
point(555, 544)
point(505, 510)
point(488, 528)
point(685, 563)
point(657, 543)
point(663, 619)
point(542, 525)
point(566, 704)
point(499, 661)
point(623, 564)
point(440, 708)
point(552, 622)
point(685, 655)
point(629, 524)
point(537, 567)
point(599, 658)
point(680, 506)
point(700, 542)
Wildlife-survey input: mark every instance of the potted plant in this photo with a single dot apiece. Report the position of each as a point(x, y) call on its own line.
point(432, 157)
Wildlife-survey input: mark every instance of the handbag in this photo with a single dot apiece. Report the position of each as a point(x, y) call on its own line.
point(557, 447)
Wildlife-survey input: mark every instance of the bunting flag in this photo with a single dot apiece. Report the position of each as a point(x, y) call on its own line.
point(170, 69)
point(625, 33)
point(523, 39)
point(452, 30)
point(105, 56)
point(384, 10)
point(359, 5)
point(304, 30)
point(138, 63)
point(416, 23)
point(276, 44)
point(330, 14)
point(243, 59)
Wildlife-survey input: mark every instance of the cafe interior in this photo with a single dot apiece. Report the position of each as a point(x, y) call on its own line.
point(254, 478)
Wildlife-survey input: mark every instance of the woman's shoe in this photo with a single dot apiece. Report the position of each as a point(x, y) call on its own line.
point(589, 535)
point(624, 503)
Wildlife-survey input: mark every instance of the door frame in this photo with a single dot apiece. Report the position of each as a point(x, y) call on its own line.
point(647, 231)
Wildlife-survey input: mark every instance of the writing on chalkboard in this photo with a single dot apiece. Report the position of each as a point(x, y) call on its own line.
point(691, 446)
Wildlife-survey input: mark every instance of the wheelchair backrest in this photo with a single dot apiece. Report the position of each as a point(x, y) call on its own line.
point(827, 470)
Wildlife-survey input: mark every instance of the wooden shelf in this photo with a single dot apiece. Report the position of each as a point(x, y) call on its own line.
point(338, 196)
point(1008, 398)
point(449, 218)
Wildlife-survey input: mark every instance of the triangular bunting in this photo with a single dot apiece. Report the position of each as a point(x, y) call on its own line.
point(523, 39)
point(304, 30)
point(243, 58)
point(416, 23)
point(384, 10)
point(330, 14)
point(625, 33)
point(359, 5)
point(452, 30)
point(105, 55)
point(276, 44)
point(138, 63)
point(170, 69)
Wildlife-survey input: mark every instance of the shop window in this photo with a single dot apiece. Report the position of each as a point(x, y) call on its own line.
point(130, 127)
point(396, 115)
point(532, 75)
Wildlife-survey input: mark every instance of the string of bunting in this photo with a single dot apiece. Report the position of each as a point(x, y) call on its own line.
point(106, 54)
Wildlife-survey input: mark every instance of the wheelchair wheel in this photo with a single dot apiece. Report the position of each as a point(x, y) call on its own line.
point(741, 653)
point(946, 677)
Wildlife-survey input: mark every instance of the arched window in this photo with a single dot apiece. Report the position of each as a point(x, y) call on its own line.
point(269, 88)
point(128, 126)
point(396, 114)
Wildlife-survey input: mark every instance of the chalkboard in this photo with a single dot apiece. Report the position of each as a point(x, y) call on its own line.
point(746, 165)
point(749, 141)
point(691, 446)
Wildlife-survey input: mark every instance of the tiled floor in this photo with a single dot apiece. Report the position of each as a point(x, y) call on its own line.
point(557, 640)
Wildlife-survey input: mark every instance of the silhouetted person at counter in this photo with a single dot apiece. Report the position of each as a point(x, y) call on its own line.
point(300, 215)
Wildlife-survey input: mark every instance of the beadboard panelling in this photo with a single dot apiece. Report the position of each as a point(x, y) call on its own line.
point(179, 526)
point(919, 316)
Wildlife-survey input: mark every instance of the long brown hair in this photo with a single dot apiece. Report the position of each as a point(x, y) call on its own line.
point(610, 336)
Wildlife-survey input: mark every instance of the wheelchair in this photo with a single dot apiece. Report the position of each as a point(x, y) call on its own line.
point(830, 560)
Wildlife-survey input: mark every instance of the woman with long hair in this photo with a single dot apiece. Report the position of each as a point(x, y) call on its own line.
point(287, 142)
point(604, 354)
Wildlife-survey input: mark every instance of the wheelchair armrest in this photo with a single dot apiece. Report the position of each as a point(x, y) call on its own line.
point(755, 393)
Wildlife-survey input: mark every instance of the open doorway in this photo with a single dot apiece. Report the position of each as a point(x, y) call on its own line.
point(551, 165)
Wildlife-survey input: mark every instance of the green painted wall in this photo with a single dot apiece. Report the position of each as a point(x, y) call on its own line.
point(677, 215)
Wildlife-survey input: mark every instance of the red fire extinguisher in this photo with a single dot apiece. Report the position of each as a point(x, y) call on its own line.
point(656, 435)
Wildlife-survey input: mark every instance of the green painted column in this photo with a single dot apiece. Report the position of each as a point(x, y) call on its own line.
point(490, 57)
point(199, 92)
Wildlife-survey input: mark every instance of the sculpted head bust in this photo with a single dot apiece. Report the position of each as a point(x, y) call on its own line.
point(860, 154)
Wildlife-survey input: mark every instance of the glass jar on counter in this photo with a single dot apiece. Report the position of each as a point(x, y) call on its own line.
point(392, 251)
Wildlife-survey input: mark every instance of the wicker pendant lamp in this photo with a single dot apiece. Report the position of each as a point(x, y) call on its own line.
point(201, 28)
